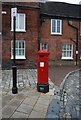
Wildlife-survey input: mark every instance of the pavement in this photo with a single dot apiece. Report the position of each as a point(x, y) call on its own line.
point(28, 103)
point(61, 101)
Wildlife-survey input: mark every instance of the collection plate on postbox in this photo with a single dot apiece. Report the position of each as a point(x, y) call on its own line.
point(41, 64)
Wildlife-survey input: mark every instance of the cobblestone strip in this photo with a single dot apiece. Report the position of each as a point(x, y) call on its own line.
point(70, 101)
point(66, 101)
point(25, 78)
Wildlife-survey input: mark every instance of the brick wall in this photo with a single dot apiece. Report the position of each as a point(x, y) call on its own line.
point(30, 36)
point(55, 41)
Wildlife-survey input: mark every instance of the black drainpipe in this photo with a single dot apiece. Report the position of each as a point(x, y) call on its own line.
point(39, 29)
point(40, 21)
point(76, 41)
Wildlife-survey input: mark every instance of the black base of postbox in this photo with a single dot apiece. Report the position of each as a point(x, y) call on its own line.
point(43, 87)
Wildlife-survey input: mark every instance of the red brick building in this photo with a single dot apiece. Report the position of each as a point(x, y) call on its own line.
point(26, 33)
point(60, 28)
point(52, 23)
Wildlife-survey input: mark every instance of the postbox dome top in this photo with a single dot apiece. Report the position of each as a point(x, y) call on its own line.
point(43, 52)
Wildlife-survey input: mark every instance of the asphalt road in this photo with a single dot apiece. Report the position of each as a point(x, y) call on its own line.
point(58, 73)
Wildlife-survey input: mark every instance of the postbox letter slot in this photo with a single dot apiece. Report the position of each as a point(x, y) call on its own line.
point(41, 55)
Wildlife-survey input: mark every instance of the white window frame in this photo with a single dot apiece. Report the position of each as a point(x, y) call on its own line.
point(68, 58)
point(4, 12)
point(18, 29)
point(56, 33)
point(18, 56)
point(44, 46)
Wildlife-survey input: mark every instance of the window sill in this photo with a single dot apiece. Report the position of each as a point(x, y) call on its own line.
point(66, 58)
point(56, 33)
point(21, 57)
point(19, 30)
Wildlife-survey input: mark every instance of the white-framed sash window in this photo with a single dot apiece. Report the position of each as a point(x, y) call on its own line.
point(67, 51)
point(20, 22)
point(19, 49)
point(56, 26)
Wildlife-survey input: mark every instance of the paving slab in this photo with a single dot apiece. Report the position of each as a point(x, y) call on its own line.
point(37, 114)
point(40, 107)
point(43, 101)
point(14, 103)
point(8, 111)
point(30, 101)
point(6, 99)
point(20, 115)
point(20, 96)
point(24, 108)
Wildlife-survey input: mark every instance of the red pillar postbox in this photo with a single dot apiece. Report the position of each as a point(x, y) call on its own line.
point(42, 83)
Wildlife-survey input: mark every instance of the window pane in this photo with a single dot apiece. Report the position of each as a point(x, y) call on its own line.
point(12, 51)
point(58, 29)
point(16, 52)
point(58, 26)
point(19, 51)
point(16, 44)
point(68, 54)
point(68, 47)
point(22, 52)
point(23, 44)
point(12, 44)
point(53, 25)
point(64, 47)
point(21, 48)
point(20, 44)
point(17, 21)
point(21, 21)
point(64, 54)
point(58, 23)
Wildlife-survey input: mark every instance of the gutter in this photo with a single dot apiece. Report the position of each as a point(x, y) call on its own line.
point(39, 29)
point(22, 6)
point(46, 15)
